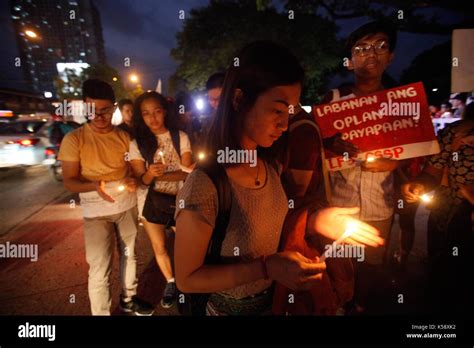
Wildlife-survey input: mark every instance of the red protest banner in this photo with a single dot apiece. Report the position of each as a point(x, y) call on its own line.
point(394, 123)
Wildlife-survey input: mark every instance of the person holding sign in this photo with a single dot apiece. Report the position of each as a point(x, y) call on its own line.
point(370, 185)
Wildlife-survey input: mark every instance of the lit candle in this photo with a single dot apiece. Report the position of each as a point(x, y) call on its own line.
point(360, 161)
point(162, 156)
point(121, 188)
point(426, 198)
point(201, 156)
point(350, 229)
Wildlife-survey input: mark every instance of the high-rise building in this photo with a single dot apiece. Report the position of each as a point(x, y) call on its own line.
point(55, 31)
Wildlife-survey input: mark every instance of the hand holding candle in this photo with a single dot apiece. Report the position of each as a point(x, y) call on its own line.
point(361, 162)
point(162, 157)
point(129, 184)
point(412, 192)
point(426, 198)
point(100, 188)
point(157, 169)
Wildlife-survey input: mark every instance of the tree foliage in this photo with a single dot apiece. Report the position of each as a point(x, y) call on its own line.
point(433, 67)
point(416, 16)
point(98, 71)
point(212, 36)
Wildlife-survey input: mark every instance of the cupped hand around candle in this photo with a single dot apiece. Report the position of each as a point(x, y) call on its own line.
point(294, 270)
point(130, 184)
point(100, 188)
point(411, 191)
point(333, 222)
point(157, 169)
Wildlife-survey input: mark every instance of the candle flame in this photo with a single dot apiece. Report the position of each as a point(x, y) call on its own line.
point(121, 188)
point(350, 229)
point(425, 198)
point(201, 155)
point(162, 157)
point(370, 159)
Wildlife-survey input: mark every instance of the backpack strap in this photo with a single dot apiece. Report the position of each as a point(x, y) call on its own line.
point(195, 304)
point(325, 170)
point(219, 178)
point(175, 139)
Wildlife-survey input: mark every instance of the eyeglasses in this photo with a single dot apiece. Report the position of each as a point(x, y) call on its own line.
point(105, 112)
point(380, 47)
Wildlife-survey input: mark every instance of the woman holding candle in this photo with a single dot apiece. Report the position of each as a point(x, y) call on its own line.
point(156, 156)
point(450, 227)
point(252, 114)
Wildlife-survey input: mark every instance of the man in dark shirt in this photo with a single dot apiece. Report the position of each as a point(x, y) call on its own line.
point(126, 109)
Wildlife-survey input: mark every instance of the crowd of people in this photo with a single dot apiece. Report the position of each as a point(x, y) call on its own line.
point(454, 108)
point(249, 237)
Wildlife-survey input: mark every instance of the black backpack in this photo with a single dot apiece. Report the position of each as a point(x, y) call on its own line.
point(195, 304)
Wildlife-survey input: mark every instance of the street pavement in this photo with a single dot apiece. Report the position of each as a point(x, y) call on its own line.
point(56, 284)
point(24, 192)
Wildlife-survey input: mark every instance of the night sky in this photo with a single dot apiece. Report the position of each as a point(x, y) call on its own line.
point(145, 31)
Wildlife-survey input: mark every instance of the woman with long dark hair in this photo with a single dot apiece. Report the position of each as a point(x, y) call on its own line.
point(261, 86)
point(156, 156)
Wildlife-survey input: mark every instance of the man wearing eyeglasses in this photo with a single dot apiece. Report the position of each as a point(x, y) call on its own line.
point(369, 51)
point(94, 163)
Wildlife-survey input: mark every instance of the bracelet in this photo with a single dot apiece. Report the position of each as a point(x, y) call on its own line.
point(264, 266)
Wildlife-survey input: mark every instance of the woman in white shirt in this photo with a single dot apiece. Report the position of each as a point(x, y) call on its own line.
point(157, 155)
